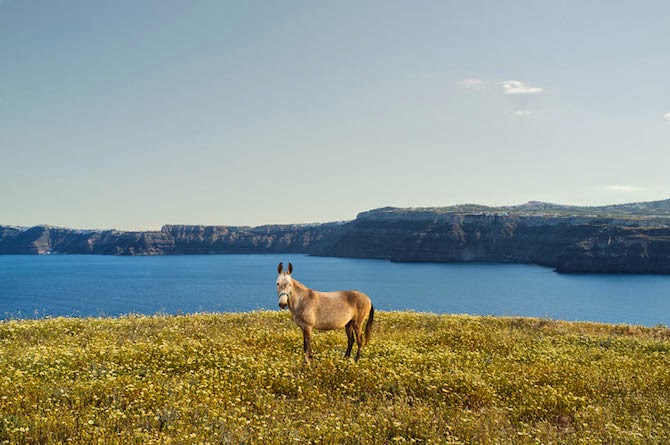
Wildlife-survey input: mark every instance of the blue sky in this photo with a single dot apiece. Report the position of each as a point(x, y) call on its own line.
point(136, 114)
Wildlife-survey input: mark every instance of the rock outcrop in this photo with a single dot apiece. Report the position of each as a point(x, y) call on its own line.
point(171, 240)
point(569, 244)
point(613, 239)
point(291, 238)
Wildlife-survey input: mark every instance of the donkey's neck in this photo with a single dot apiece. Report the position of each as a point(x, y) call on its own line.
point(300, 291)
point(300, 288)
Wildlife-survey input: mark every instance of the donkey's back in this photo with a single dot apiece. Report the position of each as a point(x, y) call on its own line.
point(333, 310)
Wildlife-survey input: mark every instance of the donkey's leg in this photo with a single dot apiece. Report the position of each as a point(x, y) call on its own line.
point(307, 342)
point(358, 329)
point(349, 329)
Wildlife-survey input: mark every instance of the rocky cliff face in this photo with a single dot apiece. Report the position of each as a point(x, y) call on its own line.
point(619, 250)
point(171, 240)
point(568, 243)
point(42, 239)
point(293, 238)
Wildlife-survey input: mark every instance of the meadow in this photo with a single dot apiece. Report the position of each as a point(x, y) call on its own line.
point(424, 378)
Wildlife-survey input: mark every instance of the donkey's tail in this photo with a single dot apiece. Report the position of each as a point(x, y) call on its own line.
point(368, 325)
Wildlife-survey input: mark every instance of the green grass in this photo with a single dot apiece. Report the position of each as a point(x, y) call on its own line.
point(239, 378)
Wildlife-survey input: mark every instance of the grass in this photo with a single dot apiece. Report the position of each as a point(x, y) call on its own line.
point(238, 378)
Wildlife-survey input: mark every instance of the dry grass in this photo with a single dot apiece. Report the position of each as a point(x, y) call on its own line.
point(238, 378)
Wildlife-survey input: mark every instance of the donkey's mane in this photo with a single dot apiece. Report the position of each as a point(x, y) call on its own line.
point(300, 286)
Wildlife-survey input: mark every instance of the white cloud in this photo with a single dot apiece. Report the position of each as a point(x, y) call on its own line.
point(472, 84)
point(518, 87)
point(624, 188)
point(522, 113)
point(667, 117)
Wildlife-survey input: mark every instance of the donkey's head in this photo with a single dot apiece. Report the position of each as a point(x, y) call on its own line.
point(284, 284)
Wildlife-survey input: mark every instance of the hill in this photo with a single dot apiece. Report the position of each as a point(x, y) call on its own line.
point(649, 209)
point(625, 238)
point(239, 378)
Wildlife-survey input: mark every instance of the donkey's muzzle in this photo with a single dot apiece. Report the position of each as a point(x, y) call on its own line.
point(283, 305)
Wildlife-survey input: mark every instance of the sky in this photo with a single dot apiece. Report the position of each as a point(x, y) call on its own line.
point(130, 115)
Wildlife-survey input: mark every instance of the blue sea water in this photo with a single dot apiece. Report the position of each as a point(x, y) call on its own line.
point(90, 285)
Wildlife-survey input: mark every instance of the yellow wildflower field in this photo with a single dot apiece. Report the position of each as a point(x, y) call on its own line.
point(424, 378)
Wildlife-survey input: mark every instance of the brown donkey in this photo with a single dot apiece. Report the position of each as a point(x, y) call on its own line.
point(325, 311)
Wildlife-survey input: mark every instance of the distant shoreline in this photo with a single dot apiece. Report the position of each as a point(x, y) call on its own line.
point(625, 238)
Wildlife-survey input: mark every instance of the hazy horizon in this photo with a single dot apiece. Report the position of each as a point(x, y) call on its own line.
point(134, 115)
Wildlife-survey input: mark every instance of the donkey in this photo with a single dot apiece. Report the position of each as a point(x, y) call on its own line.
point(325, 311)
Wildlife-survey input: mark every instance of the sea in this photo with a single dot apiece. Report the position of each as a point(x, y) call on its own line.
point(90, 286)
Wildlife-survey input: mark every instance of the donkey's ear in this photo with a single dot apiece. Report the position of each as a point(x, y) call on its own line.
point(281, 267)
point(290, 268)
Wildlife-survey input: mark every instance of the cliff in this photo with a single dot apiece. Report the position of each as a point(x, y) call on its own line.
point(292, 238)
point(567, 243)
point(171, 240)
point(628, 238)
